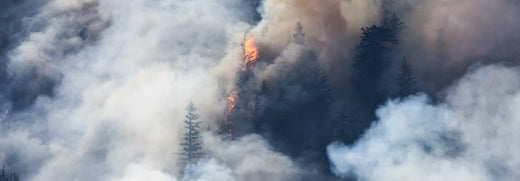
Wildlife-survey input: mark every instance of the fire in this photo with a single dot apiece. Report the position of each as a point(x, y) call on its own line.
point(231, 102)
point(251, 54)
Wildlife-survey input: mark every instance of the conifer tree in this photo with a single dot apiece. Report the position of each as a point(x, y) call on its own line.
point(405, 80)
point(372, 59)
point(192, 140)
point(299, 34)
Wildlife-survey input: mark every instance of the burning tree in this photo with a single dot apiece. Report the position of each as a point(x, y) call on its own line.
point(231, 103)
point(251, 56)
point(192, 142)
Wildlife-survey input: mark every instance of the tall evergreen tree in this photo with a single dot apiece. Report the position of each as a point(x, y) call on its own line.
point(301, 97)
point(406, 80)
point(192, 140)
point(372, 60)
point(259, 100)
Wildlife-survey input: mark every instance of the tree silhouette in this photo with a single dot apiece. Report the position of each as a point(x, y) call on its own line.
point(405, 80)
point(192, 140)
point(5, 176)
point(372, 59)
point(301, 98)
point(299, 34)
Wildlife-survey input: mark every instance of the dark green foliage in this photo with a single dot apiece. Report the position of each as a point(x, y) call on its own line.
point(346, 129)
point(326, 91)
point(300, 98)
point(405, 80)
point(260, 99)
point(192, 140)
point(371, 62)
point(6, 176)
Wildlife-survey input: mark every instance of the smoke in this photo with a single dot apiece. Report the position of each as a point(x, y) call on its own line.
point(120, 74)
point(251, 158)
point(471, 136)
point(96, 89)
point(208, 170)
point(443, 38)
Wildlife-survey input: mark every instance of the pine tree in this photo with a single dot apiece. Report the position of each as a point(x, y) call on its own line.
point(405, 80)
point(371, 61)
point(299, 34)
point(259, 100)
point(192, 140)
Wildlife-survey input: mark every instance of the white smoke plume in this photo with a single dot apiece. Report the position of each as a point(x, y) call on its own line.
point(472, 136)
point(117, 112)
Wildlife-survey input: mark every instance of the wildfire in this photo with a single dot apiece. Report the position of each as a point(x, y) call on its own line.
point(251, 54)
point(231, 102)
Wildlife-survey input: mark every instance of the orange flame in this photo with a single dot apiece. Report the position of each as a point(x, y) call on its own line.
point(251, 54)
point(231, 102)
point(230, 105)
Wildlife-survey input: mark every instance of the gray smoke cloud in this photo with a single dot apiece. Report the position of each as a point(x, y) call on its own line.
point(96, 89)
point(125, 72)
point(443, 38)
point(472, 136)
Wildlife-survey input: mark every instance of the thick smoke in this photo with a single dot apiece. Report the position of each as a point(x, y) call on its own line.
point(96, 89)
point(472, 136)
point(57, 30)
point(443, 38)
point(120, 80)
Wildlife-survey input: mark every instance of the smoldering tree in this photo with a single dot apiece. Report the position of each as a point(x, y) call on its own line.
point(192, 149)
point(406, 80)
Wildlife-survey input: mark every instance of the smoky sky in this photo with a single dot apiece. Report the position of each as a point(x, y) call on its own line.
point(97, 89)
